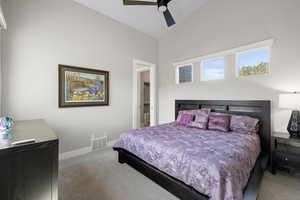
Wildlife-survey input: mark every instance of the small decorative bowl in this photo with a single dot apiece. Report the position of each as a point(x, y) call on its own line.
point(6, 125)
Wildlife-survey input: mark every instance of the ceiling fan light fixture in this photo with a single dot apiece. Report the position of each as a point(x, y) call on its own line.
point(162, 8)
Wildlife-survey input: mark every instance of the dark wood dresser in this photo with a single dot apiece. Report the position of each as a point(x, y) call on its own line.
point(29, 171)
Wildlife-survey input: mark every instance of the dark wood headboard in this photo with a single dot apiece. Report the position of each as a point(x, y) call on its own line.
point(258, 109)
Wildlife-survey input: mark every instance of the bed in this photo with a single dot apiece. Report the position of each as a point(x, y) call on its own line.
point(202, 150)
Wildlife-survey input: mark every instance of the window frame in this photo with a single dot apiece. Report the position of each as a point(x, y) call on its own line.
point(202, 78)
point(177, 73)
point(237, 67)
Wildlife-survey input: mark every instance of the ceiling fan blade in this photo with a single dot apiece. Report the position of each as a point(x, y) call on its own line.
point(139, 3)
point(169, 19)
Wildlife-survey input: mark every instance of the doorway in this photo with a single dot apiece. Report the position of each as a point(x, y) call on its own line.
point(145, 99)
point(144, 112)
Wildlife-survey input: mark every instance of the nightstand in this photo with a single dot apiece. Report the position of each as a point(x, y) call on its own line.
point(285, 152)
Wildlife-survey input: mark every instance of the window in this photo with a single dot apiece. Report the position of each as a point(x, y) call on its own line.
point(251, 59)
point(254, 62)
point(212, 69)
point(185, 74)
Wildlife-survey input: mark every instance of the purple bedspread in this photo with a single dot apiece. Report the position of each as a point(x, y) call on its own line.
point(214, 163)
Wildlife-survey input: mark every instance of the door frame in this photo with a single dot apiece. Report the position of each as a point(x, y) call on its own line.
point(138, 67)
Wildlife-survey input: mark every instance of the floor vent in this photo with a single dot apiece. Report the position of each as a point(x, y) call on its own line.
point(99, 142)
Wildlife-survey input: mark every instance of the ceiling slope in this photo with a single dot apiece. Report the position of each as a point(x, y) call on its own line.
point(146, 19)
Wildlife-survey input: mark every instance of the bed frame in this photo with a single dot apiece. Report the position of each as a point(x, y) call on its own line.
point(257, 109)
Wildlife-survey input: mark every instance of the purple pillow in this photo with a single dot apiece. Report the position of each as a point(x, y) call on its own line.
point(219, 123)
point(201, 121)
point(220, 114)
point(244, 124)
point(193, 112)
point(184, 119)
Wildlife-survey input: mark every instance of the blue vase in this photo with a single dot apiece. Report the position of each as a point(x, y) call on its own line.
point(6, 125)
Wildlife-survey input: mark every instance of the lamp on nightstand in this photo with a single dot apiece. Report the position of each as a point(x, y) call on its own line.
point(292, 101)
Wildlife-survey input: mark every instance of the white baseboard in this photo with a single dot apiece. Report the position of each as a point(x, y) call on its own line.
point(75, 153)
point(81, 151)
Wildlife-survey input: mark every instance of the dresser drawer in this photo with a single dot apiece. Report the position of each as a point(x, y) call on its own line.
point(288, 148)
point(285, 159)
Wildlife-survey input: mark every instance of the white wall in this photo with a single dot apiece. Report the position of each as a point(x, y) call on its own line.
point(1, 63)
point(1, 83)
point(42, 34)
point(221, 25)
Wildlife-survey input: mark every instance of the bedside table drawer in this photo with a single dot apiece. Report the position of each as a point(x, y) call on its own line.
point(288, 159)
point(288, 148)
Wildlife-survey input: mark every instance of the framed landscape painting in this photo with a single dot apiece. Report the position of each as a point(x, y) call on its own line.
point(83, 87)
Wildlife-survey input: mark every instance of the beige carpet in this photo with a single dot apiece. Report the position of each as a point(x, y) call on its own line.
point(98, 176)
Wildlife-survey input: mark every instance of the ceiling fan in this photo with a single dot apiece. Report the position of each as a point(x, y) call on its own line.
point(162, 7)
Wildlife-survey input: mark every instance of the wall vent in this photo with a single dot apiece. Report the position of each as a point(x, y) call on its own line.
point(99, 142)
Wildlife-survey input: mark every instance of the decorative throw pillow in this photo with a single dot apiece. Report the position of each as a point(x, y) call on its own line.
point(219, 123)
point(201, 121)
point(221, 114)
point(193, 112)
point(244, 124)
point(184, 119)
point(207, 110)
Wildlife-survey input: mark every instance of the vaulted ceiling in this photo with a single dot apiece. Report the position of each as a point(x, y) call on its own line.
point(146, 19)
